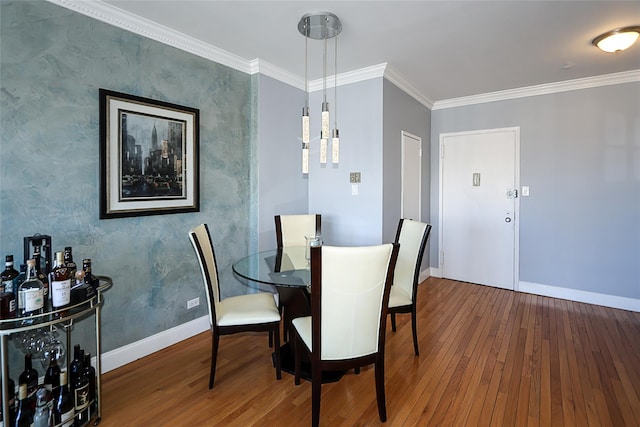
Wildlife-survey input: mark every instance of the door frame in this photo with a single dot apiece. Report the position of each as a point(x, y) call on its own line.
point(516, 208)
point(404, 134)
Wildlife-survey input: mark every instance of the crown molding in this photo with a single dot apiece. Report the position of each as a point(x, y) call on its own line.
point(349, 77)
point(117, 17)
point(543, 89)
point(268, 69)
point(397, 79)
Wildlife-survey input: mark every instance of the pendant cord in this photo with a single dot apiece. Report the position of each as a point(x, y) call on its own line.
point(335, 87)
point(324, 71)
point(306, 80)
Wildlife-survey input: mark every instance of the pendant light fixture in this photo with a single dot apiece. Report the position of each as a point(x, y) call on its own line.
point(319, 26)
point(617, 40)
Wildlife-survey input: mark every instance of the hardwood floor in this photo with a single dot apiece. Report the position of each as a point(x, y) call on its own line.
point(488, 357)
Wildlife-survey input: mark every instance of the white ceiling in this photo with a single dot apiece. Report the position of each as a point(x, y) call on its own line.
point(443, 49)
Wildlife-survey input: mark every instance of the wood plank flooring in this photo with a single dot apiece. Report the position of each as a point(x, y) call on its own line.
point(488, 357)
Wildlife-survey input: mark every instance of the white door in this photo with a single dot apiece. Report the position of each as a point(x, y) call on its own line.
point(479, 206)
point(411, 176)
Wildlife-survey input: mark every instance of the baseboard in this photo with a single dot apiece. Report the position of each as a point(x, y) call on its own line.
point(605, 300)
point(612, 301)
point(139, 349)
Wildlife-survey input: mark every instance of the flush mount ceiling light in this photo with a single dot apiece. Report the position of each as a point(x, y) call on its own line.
point(617, 40)
point(320, 26)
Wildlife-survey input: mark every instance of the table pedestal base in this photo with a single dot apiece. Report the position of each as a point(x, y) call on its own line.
point(287, 362)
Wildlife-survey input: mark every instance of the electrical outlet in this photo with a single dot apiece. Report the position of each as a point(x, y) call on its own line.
point(193, 303)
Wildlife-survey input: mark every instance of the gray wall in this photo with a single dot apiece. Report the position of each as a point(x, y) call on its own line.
point(347, 219)
point(53, 63)
point(403, 113)
point(580, 155)
point(282, 188)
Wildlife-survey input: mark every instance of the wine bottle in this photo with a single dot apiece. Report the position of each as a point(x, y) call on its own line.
point(24, 416)
point(75, 367)
point(31, 292)
point(41, 415)
point(90, 373)
point(64, 408)
point(52, 377)
point(80, 391)
point(60, 284)
point(29, 377)
point(9, 276)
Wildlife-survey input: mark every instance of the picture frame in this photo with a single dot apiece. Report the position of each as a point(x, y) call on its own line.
point(149, 156)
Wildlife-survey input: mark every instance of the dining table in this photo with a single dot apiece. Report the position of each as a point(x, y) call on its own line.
point(288, 270)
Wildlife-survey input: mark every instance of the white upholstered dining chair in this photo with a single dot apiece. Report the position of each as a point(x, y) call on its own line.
point(243, 313)
point(349, 295)
point(412, 237)
point(291, 229)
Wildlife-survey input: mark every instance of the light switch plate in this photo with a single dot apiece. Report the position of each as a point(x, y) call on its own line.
point(525, 191)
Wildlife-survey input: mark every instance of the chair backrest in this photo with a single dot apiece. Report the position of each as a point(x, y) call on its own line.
point(201, 241)
point(349, 297)
point(291, 229)
point(412, 237)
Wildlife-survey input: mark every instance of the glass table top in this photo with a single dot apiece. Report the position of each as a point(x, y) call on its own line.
point(287, 267)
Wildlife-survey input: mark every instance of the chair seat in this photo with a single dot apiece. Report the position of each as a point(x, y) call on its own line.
point(303, 327)
point(398, 297)
point(247, 309)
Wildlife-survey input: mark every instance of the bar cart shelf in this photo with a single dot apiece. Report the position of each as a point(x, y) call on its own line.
point(64, 318)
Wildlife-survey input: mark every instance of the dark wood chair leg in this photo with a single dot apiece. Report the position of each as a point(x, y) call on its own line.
point(296, 358)
point(276, 336)
point(316, 384)
point(357, 370)
point(215, 340)
point(382, 406)
point(393, 322)
point(415, 330)
point(270, 339)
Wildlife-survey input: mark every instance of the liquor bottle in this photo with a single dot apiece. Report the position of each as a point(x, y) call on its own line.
point(64, 408)
point(90, 373)
point(60, 284)
point(24, 416)
point(42, 276)
point(41, 415)
point(82, 291)
point(88, 275)
point(68, 261)
point(30, 292)
point(7, 303)
point(29, 377)
point(52, 377)
point(9, 276)
point(80, 391)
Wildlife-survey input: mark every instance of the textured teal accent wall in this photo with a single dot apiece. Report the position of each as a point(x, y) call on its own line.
point(53, 61)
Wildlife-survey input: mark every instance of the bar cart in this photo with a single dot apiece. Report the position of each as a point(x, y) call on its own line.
point(64, 318)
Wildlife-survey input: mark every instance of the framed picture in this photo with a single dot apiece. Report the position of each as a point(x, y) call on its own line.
point(148, 157)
